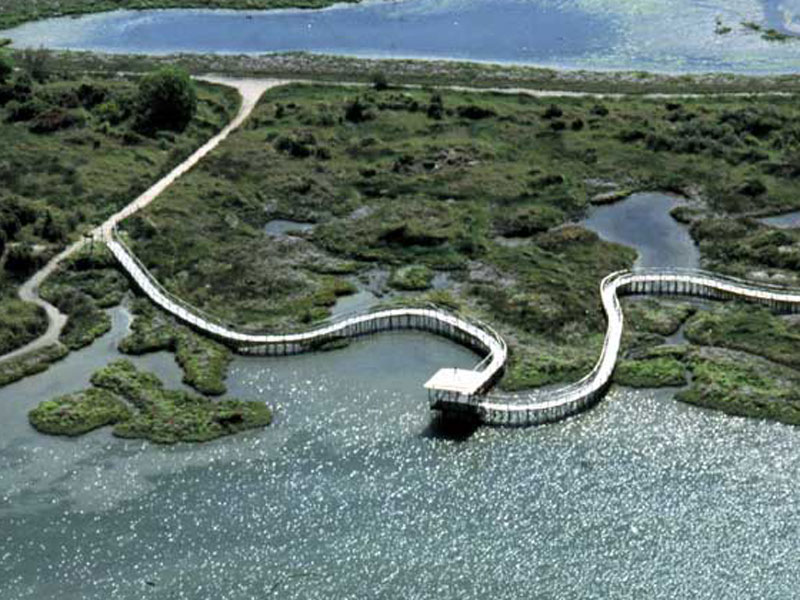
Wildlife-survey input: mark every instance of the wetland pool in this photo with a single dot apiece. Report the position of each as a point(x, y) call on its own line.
point(643, 221)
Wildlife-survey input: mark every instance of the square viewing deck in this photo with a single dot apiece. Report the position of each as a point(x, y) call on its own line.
point(456, 381)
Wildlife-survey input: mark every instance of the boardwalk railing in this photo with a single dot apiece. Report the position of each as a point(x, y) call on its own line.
point(555, 404)
point(435, 319)
point(490, 407)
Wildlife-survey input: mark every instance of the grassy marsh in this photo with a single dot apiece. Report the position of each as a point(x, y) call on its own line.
point(138, 406)
point(480, 186)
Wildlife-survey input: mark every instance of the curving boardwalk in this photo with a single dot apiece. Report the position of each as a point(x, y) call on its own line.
point(250, 90)
point(468, 391)
point(450, 390)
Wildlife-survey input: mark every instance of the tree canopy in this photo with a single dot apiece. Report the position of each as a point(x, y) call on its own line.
point(167, 99)
point(6, 68)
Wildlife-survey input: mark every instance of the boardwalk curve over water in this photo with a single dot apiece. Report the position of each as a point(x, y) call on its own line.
point(469, 391)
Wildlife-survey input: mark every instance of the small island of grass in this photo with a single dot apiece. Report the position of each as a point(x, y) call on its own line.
point(138, 406)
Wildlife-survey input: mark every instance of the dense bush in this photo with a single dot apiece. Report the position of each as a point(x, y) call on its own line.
point(111, 111)
point(55, 119)
point(22, 261)
point(6, 68)
point(379, 81)
point(436, 107)
point(475, 112)
point(553, 112)
point(25, 111)
point(76, 414)
point(358, 111)
point(90, 94)
point(20, 322)
point(167, 99)
point(298, 146)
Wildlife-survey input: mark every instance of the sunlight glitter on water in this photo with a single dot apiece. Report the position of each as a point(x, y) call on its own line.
point(352, 493)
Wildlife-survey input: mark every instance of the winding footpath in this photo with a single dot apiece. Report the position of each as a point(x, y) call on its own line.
point(450, 390)
point(250, 90)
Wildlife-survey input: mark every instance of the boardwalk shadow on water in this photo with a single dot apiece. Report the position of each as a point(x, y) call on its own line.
point(451, 428)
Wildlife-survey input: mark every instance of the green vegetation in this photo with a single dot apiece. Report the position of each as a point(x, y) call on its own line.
point(204, 362)
point(76, 414)
point(20, 323)
point(749, 328)
point(14, 12)
point(658, 316)
point(767, 33)
point(6, 67)
point(70, 156)
point(168, 416)
point(30, 363)
point(82, 288)
point(743, 385)
point(745, 247)
point(411, 277)
point(659, 366)
point(138, 406)
point(650, 373)
point(167, 100)
point(477, 185)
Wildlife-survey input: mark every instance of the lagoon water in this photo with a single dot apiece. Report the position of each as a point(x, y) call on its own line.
point(354, 493)
point(642, 221)
point(668, 35)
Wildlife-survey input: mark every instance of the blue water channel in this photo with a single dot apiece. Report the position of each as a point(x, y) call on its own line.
point(671, 35)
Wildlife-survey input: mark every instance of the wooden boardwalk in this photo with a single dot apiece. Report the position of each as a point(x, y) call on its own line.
point(449, 390)
point(465, 390)
point(554, 405)
point(464, 384)
point(469, 390)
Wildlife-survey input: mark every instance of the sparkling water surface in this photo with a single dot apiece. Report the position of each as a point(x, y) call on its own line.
point(354, 492)
point(662, 35)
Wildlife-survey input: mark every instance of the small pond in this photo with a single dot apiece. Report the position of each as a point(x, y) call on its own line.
point(643, 221)
point(281, 227)
point(789, 220)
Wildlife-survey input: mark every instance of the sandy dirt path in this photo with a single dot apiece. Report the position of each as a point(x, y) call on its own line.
point(250, 90)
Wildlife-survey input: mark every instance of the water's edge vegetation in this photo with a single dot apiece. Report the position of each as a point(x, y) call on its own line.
point(585, 149)
point(16, 12)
